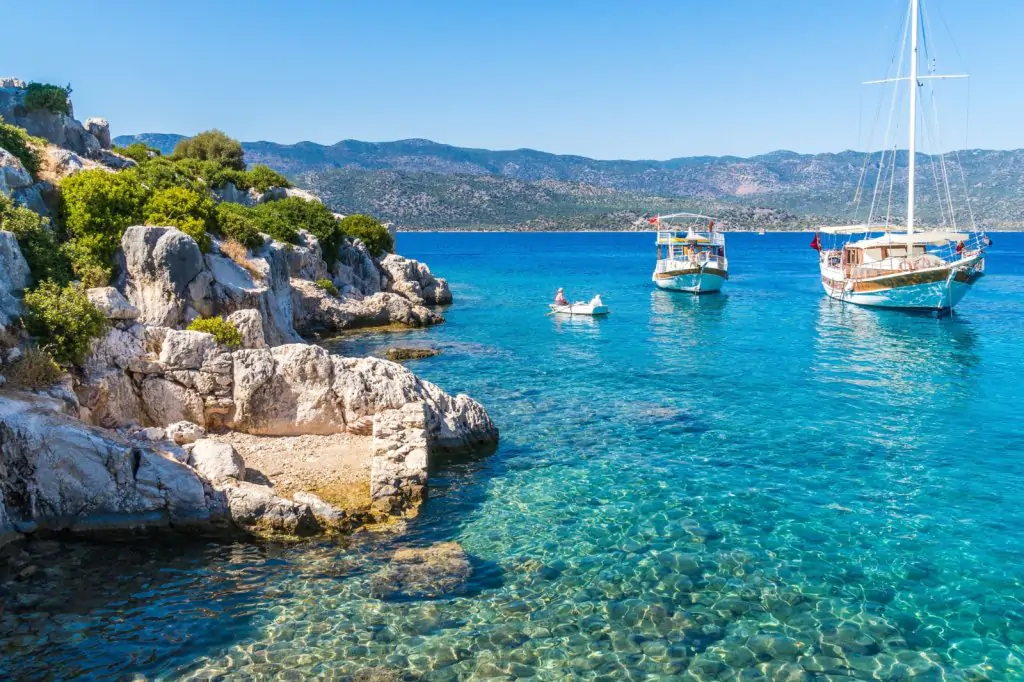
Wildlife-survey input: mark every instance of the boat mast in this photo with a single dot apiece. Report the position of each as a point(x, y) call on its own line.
point(915, 20)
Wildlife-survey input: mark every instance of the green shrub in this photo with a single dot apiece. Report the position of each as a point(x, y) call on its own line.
point(239, 223)
point(223, 330)
point(212, 145)
point(376, 237)
point(64, 320)
point(22, 145)
point(33, 371)
point(52, 98)
point(37, 242)
point(98, 207)
point(291, 214)
point(86, 265)
point(160, 173)
point(328, 286)
point(218, 177)
point(138, 152)
point(261, 178)
point(191, 212)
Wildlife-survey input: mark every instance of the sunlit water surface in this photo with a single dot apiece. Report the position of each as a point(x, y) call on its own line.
point(755, 485)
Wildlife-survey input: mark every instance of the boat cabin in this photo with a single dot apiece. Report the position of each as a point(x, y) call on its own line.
point(894, 252)
point(691, 247)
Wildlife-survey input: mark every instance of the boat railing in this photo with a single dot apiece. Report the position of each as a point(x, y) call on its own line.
point(690, 237)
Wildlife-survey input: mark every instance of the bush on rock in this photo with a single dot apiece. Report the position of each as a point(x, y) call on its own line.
point(160, 173)
point(138, 152)
point(98, 207)
point(238, 222)
point(35, 369)
point(52, 98)
point(261, 178)
point(191, 212)
point(224, 331)
point(37, 242)
point(18, 142)
point(283, 219)
point(328, 286)
point(376, 237)
point(64, 320)
point(212, 145)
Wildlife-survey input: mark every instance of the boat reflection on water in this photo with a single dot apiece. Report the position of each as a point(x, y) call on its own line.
point(665, 303)
point(907, 358)
point(577, 322)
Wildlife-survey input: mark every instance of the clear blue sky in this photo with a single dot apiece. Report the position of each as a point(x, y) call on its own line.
point(653, 79)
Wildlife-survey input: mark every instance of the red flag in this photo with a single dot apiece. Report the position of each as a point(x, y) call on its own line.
point(816, 242)
point(712, 225)
point(653, 221)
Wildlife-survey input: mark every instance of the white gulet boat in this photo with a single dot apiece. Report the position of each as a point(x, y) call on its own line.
point(691, 257)
point(892, 266)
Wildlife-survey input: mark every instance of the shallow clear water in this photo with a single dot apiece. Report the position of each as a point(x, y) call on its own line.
point(755, 485)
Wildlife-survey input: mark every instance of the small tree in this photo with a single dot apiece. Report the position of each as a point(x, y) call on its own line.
point(261, 178)
point(376, 237)
point(291, 214)
point(191, 212)
point(52, 98)
point(99, 206)
point(64, 321)
point(212, 145)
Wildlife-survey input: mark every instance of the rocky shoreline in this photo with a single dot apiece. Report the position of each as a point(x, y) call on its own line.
point(145, 433)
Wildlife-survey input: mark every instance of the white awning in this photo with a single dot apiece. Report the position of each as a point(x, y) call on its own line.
point(852, 229)
point(933, 237)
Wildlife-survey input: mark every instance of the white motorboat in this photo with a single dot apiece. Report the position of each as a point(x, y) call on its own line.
point(691, 258)
point(882, 263)
point(595, 307)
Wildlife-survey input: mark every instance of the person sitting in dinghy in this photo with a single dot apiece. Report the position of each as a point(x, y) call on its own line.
point(560, 297)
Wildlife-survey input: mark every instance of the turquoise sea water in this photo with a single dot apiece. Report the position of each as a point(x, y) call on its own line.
point(761, 484)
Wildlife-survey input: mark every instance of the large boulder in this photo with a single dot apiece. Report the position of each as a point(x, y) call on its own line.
point(297, 389)
point(258, 509)
point(112, 304)
point(100, 129)
point(414, 280)
point(249, 323)
point(58, 474)
point(217, 462)
point(15, 277)
point(13, 175)
point(355, 271)
point(305, 259)
point(165, 276)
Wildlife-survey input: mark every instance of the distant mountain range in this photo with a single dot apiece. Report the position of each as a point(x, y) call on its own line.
point(423, 184)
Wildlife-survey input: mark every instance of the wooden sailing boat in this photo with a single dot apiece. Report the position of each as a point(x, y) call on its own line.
point(891, 267)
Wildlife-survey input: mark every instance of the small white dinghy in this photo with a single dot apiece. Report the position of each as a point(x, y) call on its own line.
point(594, 308)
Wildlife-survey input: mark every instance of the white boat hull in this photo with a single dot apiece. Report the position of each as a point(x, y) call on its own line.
point(580, 309)
point(696, 283)
point(934, 289)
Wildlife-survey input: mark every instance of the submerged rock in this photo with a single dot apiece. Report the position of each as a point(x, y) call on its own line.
point(433, 571)
point(400, 354)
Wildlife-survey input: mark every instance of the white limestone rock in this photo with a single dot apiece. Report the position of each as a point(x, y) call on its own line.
point(183, 349)
point(100, 129)
point(257, 507)
point(278, 193)
point(355, 271)
point(398, 469)
point(13, 175)
point(15, 277)
point(112, 303)
point(166, 277)
point(249, 323)
point(184, 433)
point(165, 402)
point(414, 280)
point(216, 461)
point(305, 259)
point(68, 476)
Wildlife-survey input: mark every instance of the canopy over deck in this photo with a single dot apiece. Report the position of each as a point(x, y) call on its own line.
point(932, 237)
point(863, 228)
